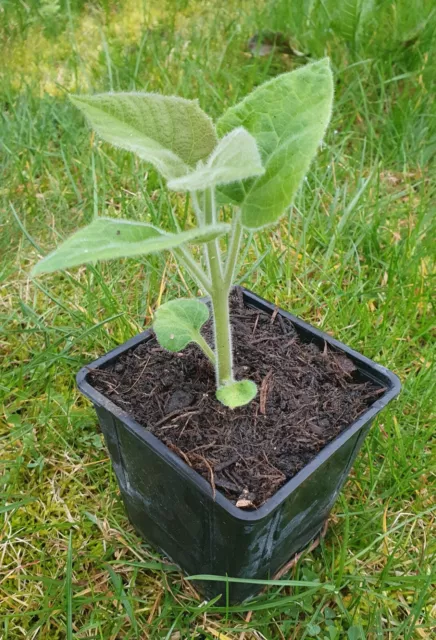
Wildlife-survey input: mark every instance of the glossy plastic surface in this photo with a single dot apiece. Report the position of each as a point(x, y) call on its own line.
point(172, 506)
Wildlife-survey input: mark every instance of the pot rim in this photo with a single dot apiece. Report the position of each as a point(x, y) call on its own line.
point(368, 367)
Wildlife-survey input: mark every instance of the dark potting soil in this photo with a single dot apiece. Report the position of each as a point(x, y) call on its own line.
point(307, 396)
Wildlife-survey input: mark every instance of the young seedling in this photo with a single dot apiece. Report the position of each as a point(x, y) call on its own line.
point(254, 160)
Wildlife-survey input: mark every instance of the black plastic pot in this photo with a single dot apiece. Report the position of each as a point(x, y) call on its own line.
point(173, 507)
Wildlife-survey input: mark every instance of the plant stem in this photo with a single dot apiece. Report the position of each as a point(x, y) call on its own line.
point(197, 209)
point(206, 349)
point(220, 301)
point(223, 337)
point(213, 251)
point(233, 251)
point(196, 272)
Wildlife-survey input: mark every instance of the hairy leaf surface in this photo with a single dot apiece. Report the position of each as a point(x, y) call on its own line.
point(108, 238)
point(171, 133)
point(288, 117)
point(236, 157)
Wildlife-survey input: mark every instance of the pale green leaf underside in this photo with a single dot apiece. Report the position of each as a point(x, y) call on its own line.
point(237, 394)
point(288, 117)
point(236, 157)
point(171, 133)
point(178, 322)
point(108, 238)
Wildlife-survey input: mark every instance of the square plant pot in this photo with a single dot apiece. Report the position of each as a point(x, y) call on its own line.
point(173, 507)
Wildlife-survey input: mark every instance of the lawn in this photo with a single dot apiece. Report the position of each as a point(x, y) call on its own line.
point(354, 256)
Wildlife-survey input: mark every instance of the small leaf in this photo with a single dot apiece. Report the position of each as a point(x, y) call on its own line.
point(288, 117)
point(178, 322)
point(108, 238)
point(171, 133)
point(356, 632)
point(235, 158)
point(313, 630)
point(236, 394)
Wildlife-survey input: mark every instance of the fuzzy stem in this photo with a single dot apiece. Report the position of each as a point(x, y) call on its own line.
point(233, 251)
point(223, 337)
point(213, 250)
point(220, 301)
point(197, 209)
point(206, 349)
point(196, 272)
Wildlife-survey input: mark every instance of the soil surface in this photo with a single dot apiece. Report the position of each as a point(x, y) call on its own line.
point(307, 396)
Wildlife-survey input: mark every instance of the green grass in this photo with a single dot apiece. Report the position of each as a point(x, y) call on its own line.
point(354, 256)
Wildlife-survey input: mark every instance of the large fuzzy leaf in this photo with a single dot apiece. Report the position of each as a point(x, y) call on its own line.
point(236, 157)
point(171, 133)
point(288, 117)
point(107, 238)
